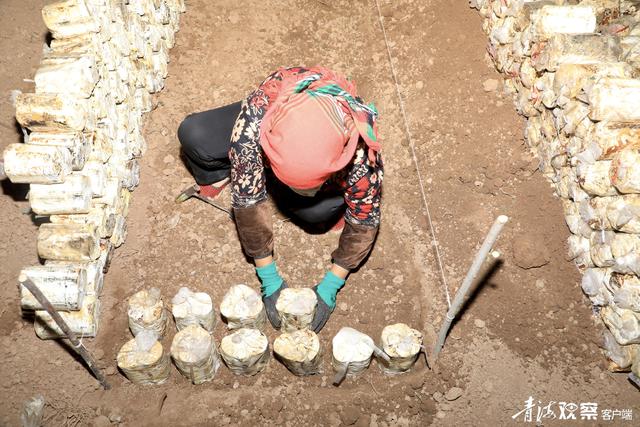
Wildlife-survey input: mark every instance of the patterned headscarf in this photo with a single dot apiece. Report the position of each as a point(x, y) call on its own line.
point(312, 128)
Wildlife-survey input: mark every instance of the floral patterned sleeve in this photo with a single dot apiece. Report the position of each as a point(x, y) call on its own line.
point(247, 168)
point(364, 189)
point(363, 183)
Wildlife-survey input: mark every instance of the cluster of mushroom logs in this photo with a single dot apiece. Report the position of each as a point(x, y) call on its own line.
point(82, 138)
point(573, 73)
point(245, 350)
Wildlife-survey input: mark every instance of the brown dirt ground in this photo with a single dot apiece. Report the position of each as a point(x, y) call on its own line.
point(527, 332)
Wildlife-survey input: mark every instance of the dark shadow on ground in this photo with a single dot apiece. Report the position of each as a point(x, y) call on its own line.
point(17, 192)
point(482, 283)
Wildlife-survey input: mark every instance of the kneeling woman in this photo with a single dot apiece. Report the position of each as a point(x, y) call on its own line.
point(306, 133)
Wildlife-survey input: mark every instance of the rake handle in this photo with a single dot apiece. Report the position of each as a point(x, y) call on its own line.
point(77, 345)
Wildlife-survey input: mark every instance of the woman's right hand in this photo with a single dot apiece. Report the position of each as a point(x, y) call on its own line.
point(272, 284)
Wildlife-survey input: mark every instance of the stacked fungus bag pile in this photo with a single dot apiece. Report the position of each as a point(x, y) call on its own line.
point(83, 138)
point(572, 69)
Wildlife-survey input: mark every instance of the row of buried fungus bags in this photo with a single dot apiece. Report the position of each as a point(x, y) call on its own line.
point(245, 350)
point(84, 137)
point(573, 73)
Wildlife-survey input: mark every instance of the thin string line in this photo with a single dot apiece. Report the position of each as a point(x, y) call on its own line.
point(413, 155)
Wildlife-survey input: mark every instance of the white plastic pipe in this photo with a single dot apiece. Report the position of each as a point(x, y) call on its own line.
point(482, 254)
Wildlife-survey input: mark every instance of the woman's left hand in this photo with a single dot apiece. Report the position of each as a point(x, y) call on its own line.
point(326, 292)
point(323, 312)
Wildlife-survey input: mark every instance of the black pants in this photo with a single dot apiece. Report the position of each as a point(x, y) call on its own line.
point(206, 138)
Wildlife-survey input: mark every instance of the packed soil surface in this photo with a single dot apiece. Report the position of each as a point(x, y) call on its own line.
point(527, 331)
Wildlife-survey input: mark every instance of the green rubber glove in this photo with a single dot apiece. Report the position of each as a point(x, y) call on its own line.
point(326, 292)
point(272, 284)
point(328, 289)
point(270, 279)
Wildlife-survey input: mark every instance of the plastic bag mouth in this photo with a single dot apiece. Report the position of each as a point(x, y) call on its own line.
point(145, 340)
